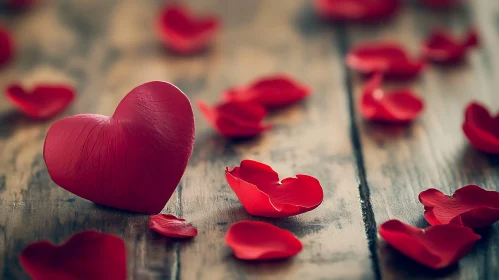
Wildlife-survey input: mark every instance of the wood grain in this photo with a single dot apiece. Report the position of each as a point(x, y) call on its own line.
point(402, 161)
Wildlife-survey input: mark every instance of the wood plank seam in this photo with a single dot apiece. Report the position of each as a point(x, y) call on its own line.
point(364, 192)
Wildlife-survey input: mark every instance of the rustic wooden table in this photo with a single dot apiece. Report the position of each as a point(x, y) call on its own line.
point(370, 173)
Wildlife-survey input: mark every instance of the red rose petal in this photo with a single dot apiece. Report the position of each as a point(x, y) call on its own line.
point(251, 240)
point(481, 129)
point(435, 246)
point(43, 102)
point(443, 47)
point(235, 119)
point(262, 194)
point(171, 226)
point(272, 92)
point(384, 57)
point(6, 46)
point(183, 32)
point(86, 255)
point(470, 206)
point(441, 3)
point(132, 160)
point(396, 107)
point(356, 10)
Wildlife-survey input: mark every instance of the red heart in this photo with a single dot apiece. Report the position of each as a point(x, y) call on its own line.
point(132, 160)
point(86, 255)
point(43, 102)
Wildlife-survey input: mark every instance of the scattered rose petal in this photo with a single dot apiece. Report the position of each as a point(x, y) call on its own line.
point(132, 160)
point(482, 129)
point(262, 194)
point(384, 57)
point(6, 46)
point(435, 246)
point(443, 47)
point(183, 32)
point(356, 10)
point(43, 102)
point(85, 255)
point(235, 119)
point(470, 206)
point(272, 92)
point(441, 3)
point(251, 240)
point(171, 226)
point(395, 107)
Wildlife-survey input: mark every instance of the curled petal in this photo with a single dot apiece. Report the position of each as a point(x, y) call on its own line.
point(395, 107)
point(481, 129)
point(271, 92)
point(251, 240)
point(183, 32)
point(262, 194)
point(435, 246)
point(132, 160)
point(43, 102)
point(171, 226)
point(86, 255)
point(356, 10)
point(443, 47)
point(384, 57)
point(235, 119)
point(470, 206)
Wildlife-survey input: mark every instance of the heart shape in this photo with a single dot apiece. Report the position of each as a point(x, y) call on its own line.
point(86, 255)
point(132, 160)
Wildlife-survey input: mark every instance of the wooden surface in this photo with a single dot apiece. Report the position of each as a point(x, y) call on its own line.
point(370, 173)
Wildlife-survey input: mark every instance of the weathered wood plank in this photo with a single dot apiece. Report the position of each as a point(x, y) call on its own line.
point(263, 37)
point(402, 161)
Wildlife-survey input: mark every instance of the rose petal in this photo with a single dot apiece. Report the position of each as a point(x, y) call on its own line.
point(235, 119)
point(435, 246)
point(43, 102)
point(481, 129)
point(262, 194)
point(183, 32)
point(171, 226)
point(383, 57)
point(85, 255)
point(132, 160)
point(251, 240)
point(443, 47)
point(6, 46)
point(271, 91)
point(395, 107)
point(356, 10)
point(470, 206)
